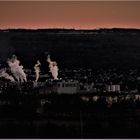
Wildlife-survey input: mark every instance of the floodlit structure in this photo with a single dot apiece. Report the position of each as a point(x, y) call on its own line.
point(66, 87)
point(113, 88)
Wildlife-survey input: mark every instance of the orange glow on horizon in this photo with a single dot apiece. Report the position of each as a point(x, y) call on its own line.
point(69, 14)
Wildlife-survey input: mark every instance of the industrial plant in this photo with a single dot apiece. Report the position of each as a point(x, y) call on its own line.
point(68, 92)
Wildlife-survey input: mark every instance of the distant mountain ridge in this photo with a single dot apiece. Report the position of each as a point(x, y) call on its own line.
point(71, 48)
point(71, 30)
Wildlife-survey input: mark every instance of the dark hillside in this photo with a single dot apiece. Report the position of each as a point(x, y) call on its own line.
point(74, 48)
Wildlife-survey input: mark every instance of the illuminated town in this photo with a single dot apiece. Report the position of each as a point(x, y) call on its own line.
point(43, 95)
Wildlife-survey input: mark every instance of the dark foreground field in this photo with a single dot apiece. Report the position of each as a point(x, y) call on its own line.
point(69, 117)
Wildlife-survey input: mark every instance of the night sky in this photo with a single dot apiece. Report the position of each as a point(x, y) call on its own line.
point(69, 14)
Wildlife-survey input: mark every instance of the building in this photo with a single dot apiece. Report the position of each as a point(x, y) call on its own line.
point(66, 87)
point(112, 88)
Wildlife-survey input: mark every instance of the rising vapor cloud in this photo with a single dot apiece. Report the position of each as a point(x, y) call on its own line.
point(53, 68)
point(37, 70)
point(17, 69)
point(5, 75)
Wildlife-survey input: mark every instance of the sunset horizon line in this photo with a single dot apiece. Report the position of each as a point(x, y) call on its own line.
point(66, 28)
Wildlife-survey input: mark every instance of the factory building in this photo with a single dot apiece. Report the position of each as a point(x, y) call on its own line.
point(113, 88)
point(67, 87)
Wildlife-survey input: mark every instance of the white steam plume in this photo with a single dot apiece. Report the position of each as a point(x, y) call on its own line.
point(37, 70)
point(53, 68)
point(17, 69)
point(5, 75)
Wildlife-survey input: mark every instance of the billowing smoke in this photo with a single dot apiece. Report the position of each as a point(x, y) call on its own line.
point(53, 68)
point(5, 75)
point(17, 69)
point(37, 70)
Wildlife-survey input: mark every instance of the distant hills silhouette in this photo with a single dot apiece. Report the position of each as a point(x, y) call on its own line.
point(73, 48)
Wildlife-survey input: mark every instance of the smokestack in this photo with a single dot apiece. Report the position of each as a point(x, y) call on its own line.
point(37, 70)
point(17, 69)
point(53, 68)
point(5, 75)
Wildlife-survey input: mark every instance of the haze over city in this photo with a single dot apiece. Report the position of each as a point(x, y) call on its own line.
point(69, 14)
